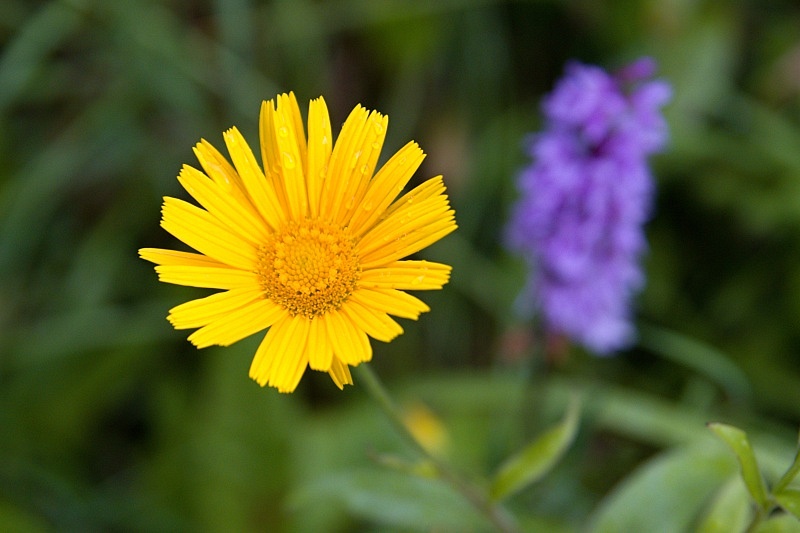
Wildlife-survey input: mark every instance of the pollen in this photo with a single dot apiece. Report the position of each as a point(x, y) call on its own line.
point(308, 267)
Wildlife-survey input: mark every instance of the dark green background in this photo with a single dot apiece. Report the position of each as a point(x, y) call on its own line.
point(112, 421)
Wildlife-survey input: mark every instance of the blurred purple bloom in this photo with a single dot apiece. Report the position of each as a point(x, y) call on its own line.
point(584, 200)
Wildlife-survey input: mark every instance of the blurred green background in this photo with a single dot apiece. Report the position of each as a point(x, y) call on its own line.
point(112, 421)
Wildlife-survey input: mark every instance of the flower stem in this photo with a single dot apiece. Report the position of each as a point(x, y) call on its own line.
point(476, 496)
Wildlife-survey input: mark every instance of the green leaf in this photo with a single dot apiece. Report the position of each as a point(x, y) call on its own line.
point(388, 498)
point(789, 499)
point(666, 493)
point(730, 510)
point(790, 474)
point(737, 440)
point(703, 359)
point(782, 523)
point(535, 460)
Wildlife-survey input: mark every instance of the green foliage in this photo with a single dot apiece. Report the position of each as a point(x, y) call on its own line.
point(110, 420)
point(393, 499)
point(537, 458)
point(737, 440)
point(789, 499)
point(730, 509)
point(666, 494)
point(765, 500)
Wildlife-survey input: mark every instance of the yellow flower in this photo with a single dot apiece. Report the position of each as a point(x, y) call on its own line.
point(310, 247)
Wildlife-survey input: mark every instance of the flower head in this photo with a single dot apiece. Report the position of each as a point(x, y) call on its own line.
point(584, 200)
point(311, 247)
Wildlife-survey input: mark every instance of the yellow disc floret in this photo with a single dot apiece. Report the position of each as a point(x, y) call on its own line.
point(308, 267)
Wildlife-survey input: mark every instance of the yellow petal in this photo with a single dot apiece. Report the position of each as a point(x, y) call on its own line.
point(203, 232)
point(385, 186)
point(376, 324)
point(320, 349)
point(261, 192)
point(425, 190)
point(297, 118)
point(206, 277)
point(390, 301)
point(410, 228)
point(414, 214)
point(334, 184)
point(270, 155)
point(291, 157)
point(340, 373)
point(412, 243)
point(352, 162)
point(238, 324)
point(406, 275)
point(160, 256)
point(200, 312)
point(239, 217)
point(292, 358)
point(320, 142)
point(281, 357)
point(220, 170)
point(350, 344)
point(365, 159)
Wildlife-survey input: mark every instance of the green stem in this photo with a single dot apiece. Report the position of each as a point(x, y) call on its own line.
point(498, 516)
point(788, 476)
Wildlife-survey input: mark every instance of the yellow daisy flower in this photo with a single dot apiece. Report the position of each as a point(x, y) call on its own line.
point(310, 247)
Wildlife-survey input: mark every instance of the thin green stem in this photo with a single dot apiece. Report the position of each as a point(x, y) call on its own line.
point(788, 476)
point(496, 514)
point(758, 518)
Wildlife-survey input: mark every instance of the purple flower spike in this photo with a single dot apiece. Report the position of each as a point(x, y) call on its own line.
point(585, 198)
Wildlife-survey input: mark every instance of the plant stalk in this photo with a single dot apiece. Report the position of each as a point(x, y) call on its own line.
point(476, 496)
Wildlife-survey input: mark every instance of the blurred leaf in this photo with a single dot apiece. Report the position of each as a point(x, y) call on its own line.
point(537, 458)
point(422, 467)
point(16, 520)
point(666, 493)
point(78, 332)
point(391, 498)
point(730, 510)
point(737, 440)
point(24, 55)
point(699, 357)
point(789, 499)
point(784, 523)
point(636, 414)
point(790, 474)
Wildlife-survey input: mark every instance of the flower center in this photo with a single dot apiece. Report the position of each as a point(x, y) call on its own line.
point(308, 267)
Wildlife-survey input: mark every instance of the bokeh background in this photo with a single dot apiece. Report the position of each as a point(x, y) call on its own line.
point(111, 421)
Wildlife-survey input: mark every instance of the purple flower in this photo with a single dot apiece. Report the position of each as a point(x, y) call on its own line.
point(585, 198)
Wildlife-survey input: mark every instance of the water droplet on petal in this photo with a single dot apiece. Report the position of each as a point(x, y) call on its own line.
point(378, 127)
point(366, 206)
point(283, 131)
point(418, 280)
point(288, 160)
point(364, 169)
